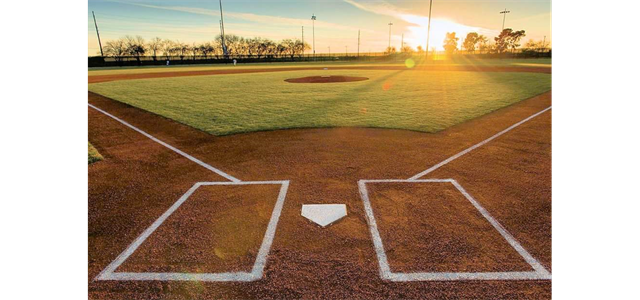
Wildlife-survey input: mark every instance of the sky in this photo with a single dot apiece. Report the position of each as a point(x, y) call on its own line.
point(336, 27)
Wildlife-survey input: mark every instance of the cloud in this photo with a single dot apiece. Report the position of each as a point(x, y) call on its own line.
point(263, 19)
point(380, 8)
point(545, 16)
point(418, 29)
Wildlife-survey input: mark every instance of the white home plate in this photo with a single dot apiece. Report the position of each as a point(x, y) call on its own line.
point(324, 214)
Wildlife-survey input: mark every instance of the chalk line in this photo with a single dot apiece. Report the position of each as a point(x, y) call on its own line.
point(538, 273)
point(174, 149)
point(463, 152)
point(109, 273)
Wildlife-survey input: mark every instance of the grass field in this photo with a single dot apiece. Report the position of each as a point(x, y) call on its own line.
point(94, 156)
point(413, 100)
point(541, 62)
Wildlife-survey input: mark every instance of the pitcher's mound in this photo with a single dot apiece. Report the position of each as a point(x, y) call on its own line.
point(325, 79)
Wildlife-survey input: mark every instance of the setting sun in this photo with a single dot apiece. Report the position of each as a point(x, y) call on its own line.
point(439, 27)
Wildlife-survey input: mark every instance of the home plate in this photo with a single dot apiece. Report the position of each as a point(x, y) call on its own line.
point(324, 214)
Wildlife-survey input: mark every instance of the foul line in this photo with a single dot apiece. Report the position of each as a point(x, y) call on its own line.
point(448, 160)
point(109, 273)
point(174, 149)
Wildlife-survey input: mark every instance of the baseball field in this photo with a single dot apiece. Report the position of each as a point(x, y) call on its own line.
point(445, 170)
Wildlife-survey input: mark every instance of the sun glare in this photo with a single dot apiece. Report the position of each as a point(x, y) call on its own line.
point(439, 29)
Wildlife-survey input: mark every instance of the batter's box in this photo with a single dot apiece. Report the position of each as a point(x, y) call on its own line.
point(215, 231)
point(439, 237)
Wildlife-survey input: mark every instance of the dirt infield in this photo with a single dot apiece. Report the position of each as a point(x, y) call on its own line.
point(225, 225)
point(139, 179)
point(105, 78)
point(411, 216)
point(325, 79)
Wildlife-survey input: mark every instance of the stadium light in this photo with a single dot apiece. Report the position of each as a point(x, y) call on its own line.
point(504, 16)
point(429, 28)
point(389, 48)
point(313, 19)
point(97, 32)
point(224, 46)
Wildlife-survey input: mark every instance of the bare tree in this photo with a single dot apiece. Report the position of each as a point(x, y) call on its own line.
point(135, 46)
point(236, 46)
point(168, 48)
point(205, 49)
point(300, 47)
point(193, 50)
point(288, 47)
point(115, 48)
point(217, 49)
point(268, 48)
point(253, 46)
point(155, 46)
point(181, 49)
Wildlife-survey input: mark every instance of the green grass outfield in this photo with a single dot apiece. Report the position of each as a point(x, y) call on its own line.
point(538, 62)
point(94, 156)
point(414, 100)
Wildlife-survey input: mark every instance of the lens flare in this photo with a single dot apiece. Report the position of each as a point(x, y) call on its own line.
point(409, 63)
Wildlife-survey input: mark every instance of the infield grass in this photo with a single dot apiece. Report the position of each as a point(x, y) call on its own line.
point(94, 156)
point(427, 101)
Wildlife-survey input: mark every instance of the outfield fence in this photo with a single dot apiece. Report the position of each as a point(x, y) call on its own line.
point(121, 61)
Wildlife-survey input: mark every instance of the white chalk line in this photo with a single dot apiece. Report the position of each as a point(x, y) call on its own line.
point(463, 152)
point(109, 272)
point(539, 273)
point(258, 268)
point(174, 149)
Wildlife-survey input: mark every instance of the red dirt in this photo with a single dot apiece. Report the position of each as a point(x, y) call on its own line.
point(139, 179)
point(105, 78)
point(411, 216)
point(325, 79)
point(225, 226)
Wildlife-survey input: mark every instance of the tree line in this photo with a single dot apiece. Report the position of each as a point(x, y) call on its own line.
point(507, 40)
point(158, 48)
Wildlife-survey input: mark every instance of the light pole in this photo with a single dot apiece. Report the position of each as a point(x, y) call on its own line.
point(329, 50)
point(429, 28)
point(389, 48)
point(224, 46)
point(346, 52)
point(504, 16)
point(302, 40)
point(313, 20)
point(98, 33)
point(358, 43)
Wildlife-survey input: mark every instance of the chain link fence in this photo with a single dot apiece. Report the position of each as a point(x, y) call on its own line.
point(121, 61)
